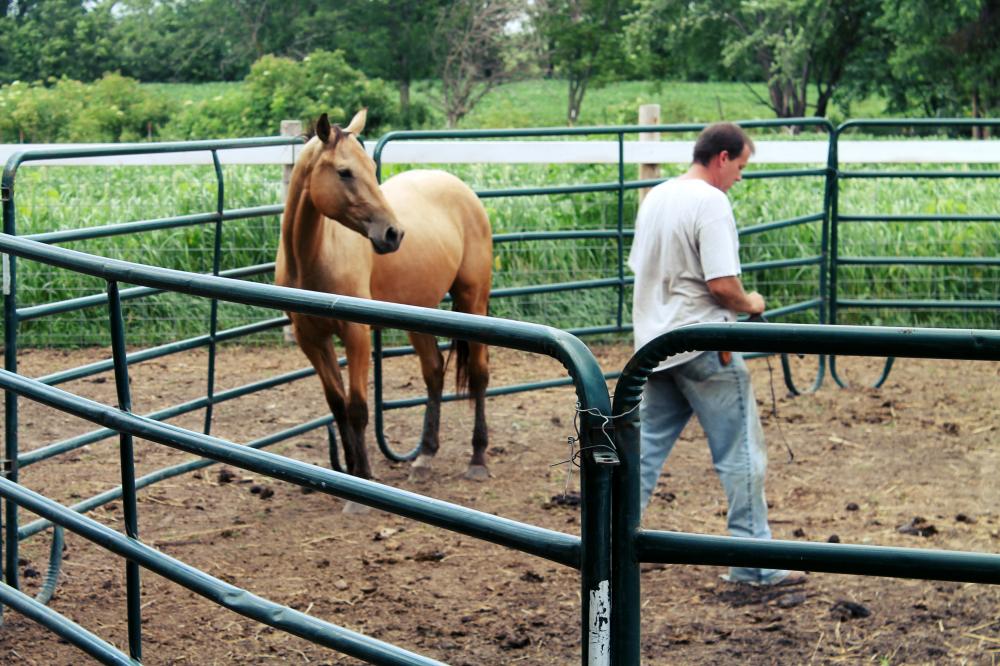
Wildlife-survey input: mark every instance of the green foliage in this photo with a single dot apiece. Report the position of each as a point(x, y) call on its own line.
point(795, 46)
point(112, 109)
point(281, 88)
point(583, 41)
point(944, 60)
point(55, 39)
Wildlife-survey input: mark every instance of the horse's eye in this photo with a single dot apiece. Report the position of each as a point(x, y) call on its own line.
point(344, 173)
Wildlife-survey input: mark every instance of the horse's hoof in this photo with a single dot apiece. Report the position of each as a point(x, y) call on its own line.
point(477, 473)
point(356, 509)
point(420, 470)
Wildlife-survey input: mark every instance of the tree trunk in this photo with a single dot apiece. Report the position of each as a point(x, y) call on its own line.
point(404, 96)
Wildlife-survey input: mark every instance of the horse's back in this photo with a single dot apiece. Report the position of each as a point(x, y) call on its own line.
point(447, 238)
point(444, 197)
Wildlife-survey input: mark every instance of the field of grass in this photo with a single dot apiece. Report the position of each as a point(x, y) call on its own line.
point(542, 102)
point(53, 198)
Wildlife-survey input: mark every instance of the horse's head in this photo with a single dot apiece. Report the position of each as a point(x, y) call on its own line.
point(344, 188)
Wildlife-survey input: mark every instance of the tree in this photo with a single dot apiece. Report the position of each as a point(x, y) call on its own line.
point(388, 39)
point(944, 60)
point(47, 39)
point(795, 46)
point(471, 40)
point(583, 41)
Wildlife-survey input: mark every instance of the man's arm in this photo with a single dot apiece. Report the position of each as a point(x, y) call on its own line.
point(728, 291)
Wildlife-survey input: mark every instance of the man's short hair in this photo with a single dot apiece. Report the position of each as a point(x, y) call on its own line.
point(719, 137)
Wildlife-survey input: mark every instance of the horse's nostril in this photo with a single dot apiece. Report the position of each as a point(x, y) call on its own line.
point(392, 235)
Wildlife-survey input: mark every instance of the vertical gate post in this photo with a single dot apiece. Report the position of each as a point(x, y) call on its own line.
point(288, 128)
point(649, 114)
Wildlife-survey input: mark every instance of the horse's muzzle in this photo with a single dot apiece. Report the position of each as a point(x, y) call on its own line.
point(389, 242)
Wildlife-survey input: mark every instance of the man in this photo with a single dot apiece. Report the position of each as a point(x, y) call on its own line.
point(685, 256)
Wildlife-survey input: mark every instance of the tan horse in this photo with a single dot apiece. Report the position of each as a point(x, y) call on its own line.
point(419, 236)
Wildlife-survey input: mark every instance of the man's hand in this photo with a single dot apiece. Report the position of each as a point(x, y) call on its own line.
point(728, 291)
point(756, 302)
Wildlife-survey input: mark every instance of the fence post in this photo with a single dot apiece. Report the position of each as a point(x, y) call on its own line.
point(288, 128)
point(649, 114)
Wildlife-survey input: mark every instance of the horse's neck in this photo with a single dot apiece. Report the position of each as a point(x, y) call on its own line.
point(304, 233)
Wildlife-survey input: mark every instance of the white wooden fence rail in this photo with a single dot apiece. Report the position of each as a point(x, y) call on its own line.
point(568, 151)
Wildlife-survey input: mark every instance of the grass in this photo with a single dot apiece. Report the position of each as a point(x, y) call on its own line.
point(51, 198)
point(542, 102)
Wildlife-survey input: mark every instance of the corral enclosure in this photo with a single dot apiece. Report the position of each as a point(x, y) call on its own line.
point(523, 421)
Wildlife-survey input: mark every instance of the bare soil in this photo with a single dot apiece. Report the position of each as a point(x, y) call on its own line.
point(920, 452)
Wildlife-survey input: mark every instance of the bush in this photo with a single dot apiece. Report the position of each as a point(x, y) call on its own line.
point(281, 88)
point(112, 109)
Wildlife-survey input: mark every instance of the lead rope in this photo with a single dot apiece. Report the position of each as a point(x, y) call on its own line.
point(774, 412)
point(774, 399)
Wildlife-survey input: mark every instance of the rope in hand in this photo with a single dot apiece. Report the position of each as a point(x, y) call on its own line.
point(774, 398)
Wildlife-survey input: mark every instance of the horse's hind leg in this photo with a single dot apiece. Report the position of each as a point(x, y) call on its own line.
point(472, 296)
point(432, 368)
point(479, 379)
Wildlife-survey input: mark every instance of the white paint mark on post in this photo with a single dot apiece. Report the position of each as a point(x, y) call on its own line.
point(600, 625)
point(6, 275)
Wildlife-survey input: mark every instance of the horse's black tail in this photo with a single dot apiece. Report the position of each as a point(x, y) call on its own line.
point(461, 349)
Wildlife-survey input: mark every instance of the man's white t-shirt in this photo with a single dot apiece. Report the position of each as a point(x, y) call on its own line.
point(685, 235)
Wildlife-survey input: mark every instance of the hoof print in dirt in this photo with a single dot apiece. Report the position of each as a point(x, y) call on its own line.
point(791, 600)
point(852, 506)
point(799, 533)
point(918, 527)
point(833, 538)
point(532, 577)
point(848, 610)
point(263, 491)
point(517, 642)
point(965, 518)
point(563, 499)
point(226, 475)
point(429, 556)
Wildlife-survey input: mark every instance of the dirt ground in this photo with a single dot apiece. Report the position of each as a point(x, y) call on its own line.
point(921, 451)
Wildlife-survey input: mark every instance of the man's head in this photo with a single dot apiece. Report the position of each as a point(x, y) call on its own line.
point(723, 149)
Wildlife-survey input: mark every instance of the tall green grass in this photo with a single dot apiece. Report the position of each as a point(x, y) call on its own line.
point(52, 198)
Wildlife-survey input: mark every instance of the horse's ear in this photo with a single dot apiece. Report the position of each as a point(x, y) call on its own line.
point(323, 128)
point(357, 124)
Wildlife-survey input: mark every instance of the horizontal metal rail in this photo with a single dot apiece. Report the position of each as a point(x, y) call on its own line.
point(592, 561)
point(919, 261)
point(170, 472)
point(160, 351)
point(951, 217)
point(547, 544)
point(125, 228)
point(94, 300)
point(222, 593)
point(633, 545)
point(62, 626)
point(923, 304)
point(680, 548)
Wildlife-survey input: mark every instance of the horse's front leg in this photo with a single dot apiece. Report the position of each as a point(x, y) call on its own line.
point(432, 368)
point(357, 344)
point(317, 344)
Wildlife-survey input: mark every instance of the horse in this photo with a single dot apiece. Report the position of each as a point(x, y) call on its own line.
point(418, 236)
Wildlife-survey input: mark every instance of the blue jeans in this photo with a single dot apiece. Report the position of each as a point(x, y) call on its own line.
point(723, 399)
